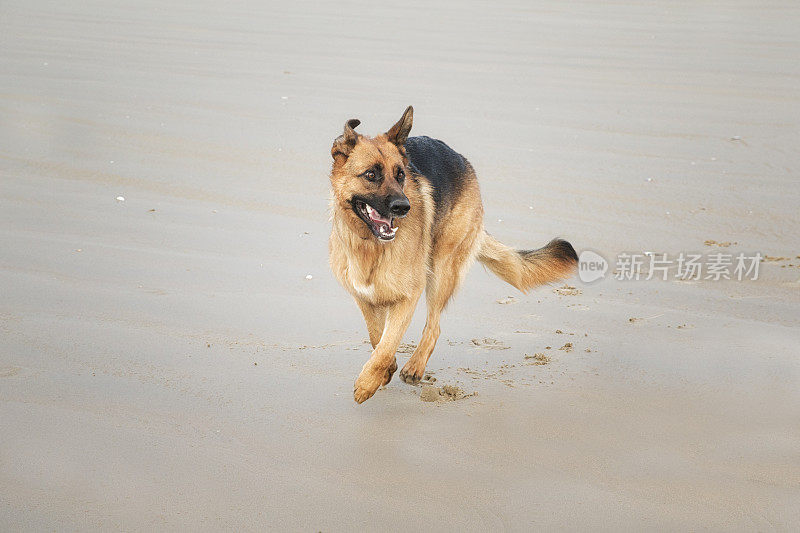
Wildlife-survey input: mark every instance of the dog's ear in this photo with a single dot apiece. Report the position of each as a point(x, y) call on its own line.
point(399, 132)
point(344, 143)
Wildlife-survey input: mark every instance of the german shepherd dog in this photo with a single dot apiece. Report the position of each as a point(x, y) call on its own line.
point(407, 216)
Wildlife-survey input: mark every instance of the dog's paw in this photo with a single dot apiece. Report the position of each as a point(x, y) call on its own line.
point(372, 376)
point(367, 383)
point(412, 372)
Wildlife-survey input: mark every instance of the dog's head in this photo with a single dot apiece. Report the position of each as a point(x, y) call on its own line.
point(368, 178)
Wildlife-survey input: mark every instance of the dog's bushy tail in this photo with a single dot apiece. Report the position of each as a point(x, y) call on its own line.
point(525, 269)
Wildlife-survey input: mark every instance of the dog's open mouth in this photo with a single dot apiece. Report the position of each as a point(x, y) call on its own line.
point(380, 225)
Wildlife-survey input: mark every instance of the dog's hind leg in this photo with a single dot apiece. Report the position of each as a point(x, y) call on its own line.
point(414, 369)
point(449, 267)
point(375, 370)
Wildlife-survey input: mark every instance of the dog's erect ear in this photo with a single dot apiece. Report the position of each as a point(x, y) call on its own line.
point(345, 142)
point(399, 132)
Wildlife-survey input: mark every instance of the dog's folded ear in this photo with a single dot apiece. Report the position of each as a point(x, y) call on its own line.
point(399, 132)
point(344, 143)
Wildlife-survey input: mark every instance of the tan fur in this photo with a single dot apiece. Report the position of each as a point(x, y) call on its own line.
point(523, 270)
point(387, 278)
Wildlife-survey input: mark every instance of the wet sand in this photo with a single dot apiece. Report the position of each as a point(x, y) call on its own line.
point(166, 364)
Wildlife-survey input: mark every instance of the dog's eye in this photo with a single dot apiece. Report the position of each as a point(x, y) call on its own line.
point(370, 175)
point(400, 175)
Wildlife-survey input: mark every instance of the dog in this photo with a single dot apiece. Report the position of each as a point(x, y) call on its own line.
point(407, 216)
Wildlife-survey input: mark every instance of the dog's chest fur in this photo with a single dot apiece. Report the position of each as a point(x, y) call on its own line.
point(379, 273)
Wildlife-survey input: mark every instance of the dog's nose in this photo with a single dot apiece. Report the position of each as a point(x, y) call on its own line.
point(399, 207)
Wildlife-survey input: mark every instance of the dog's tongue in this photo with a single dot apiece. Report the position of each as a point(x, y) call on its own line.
point(382, 224)
point(376, 217)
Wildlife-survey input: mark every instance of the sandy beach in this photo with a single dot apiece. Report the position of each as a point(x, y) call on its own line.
point(176, 355)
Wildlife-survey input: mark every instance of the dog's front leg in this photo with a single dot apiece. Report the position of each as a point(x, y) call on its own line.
point(375, 318)
point(373, 374)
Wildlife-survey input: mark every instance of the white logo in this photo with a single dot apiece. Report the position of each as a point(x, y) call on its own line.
point(591, 266)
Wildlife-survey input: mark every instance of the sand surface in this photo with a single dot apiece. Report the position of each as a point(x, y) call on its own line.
point(165, 363)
